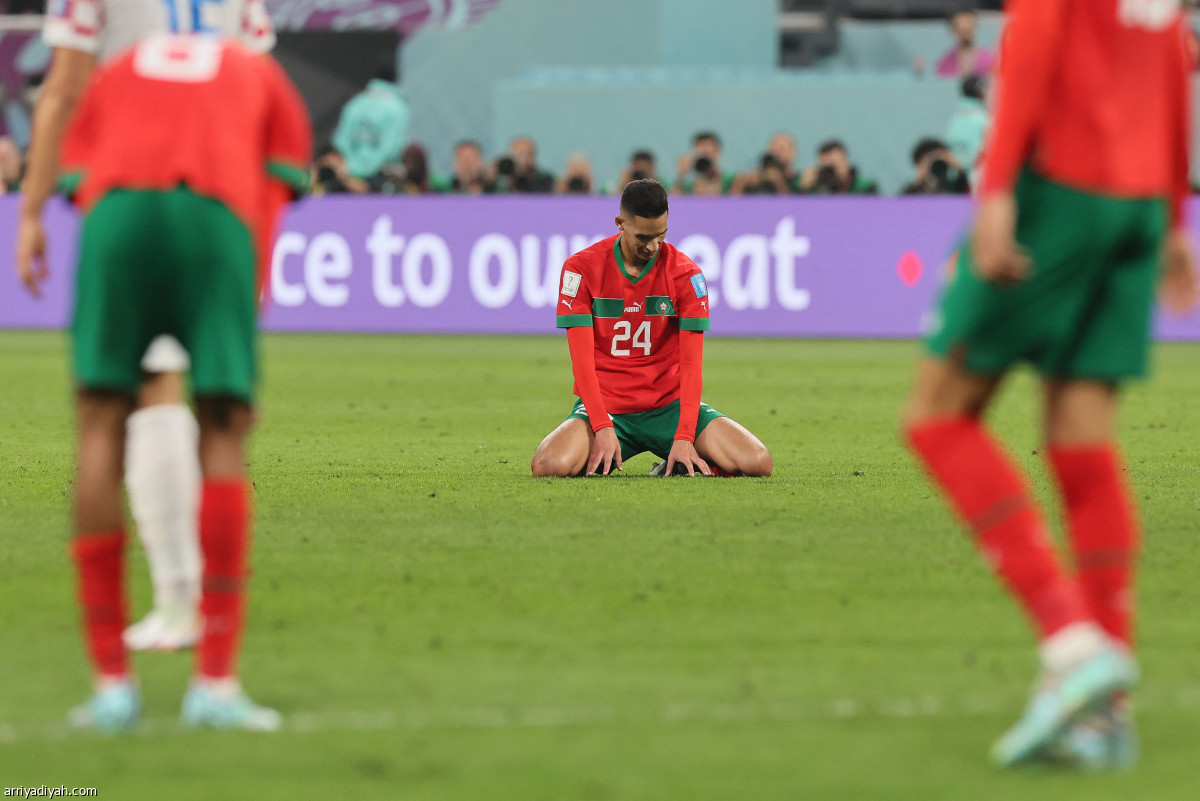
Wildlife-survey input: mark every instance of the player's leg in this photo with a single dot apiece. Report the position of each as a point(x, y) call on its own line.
point(99, 553)
point(109, 332)
point(564, 451)
point(730, 447)
point(994, 499)
point(162, 476)
point(1101, 522)
point(1109, 345)
point(1101, 516)
point(215, 319)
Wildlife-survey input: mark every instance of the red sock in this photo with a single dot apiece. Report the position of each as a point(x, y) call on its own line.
point(100, 560)
point(1103, 526)
point(224, 540)
point(993, 499)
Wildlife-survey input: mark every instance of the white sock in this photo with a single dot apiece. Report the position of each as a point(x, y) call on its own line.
point(1071, 645)
point(162, 474)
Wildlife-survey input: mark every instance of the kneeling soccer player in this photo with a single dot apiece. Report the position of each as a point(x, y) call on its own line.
point(1078, 209)
point(635, 310)
point(180, 155)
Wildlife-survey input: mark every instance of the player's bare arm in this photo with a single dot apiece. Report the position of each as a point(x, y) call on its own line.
point(997, 255)
point(68, 75)
point(1180, 289)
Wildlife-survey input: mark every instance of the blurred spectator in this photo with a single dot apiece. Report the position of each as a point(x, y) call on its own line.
point(470, 177)
point(965, 58)
point(333, 177)
point(938, 172)
point(12, 166)
point(776, 174)
point(834, 174)
point(373, 127)
point(699, 171)
point(968, 127)
point(519, 172)
point(576, 178)
point(409, 177)
point(641, 165)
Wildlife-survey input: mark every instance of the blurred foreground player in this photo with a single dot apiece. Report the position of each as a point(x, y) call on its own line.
point(636, 310)
point(178, 157)
point(162, 472)
point(1080, 217)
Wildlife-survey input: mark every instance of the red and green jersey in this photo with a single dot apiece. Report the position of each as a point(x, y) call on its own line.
point(237, 125)
point(1093, 94)
point(636, 320)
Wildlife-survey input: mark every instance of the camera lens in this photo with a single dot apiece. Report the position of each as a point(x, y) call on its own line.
point(703, 165)
point(506, 166)
point(638, 175)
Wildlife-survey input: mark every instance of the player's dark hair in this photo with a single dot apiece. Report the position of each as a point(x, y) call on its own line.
point(830, 145)
point(644, 198)
point(702, 135)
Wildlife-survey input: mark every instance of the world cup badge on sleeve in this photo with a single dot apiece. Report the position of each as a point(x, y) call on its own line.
point(699, 285)
point(570, 284)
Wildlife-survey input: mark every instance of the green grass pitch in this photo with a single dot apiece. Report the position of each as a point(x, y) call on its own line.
point(436, 624)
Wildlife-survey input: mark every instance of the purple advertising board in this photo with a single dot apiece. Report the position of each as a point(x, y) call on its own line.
point(783, 267)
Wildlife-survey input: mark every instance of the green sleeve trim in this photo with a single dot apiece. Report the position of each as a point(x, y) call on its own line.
point(574, 320)
point(68, 182)
point(294, 176)
point(694, 323)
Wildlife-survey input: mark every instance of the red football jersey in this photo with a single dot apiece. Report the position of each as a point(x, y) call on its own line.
point(1093, 94)
point(234, 124)
point(636, 321)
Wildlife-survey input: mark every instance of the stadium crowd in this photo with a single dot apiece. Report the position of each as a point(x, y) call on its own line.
point(370, 152)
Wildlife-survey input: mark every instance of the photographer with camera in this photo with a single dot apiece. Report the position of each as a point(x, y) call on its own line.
point(699, 171)
point(834, 174)
point(938, 171)
point(641, 165)
point(576, 178)
point(776, 173)
point(518, 172)
point(332, 175)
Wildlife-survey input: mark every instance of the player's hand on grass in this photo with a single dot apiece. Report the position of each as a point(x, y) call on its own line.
point(684, 453)
point(31, 254)
point(997, 256)
point(1180, 288)
point(606, 451)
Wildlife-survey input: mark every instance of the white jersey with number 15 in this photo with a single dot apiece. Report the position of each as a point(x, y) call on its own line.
point(106, 27)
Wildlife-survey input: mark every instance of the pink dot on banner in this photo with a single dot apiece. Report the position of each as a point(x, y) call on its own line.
point(910, 268)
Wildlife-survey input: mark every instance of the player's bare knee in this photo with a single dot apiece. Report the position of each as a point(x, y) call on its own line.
point(549, 463)
point(761, 463)
point(224, 415)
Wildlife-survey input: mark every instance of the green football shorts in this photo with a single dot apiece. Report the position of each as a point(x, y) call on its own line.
point(165, 262)
point(653, 431)
point(1085, 310)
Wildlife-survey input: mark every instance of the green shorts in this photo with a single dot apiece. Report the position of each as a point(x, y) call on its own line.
point(1084, 312)
point(652, 431)
point(173, 263)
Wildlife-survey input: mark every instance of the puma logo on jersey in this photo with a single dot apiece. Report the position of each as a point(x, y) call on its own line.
point(636, 307)
point(566, 303)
